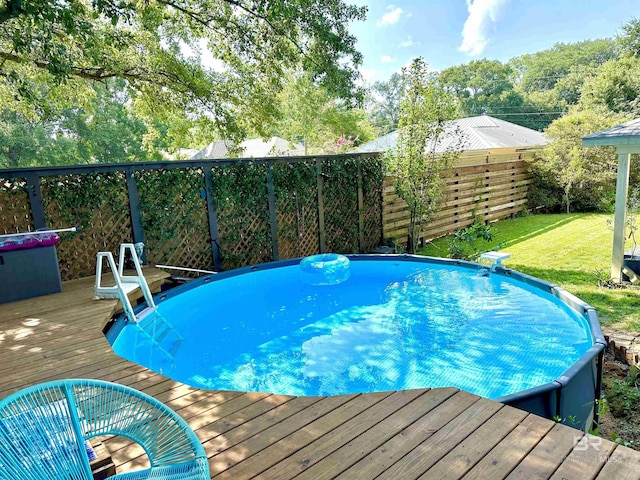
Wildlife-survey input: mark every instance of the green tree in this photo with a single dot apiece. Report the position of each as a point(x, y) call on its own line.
point(541, 71)
point(584, 175)
point(630, 37)
point(384, 104)
point(487, 87)
point(615, 86)
point(345, 127)
point(103, 131)
point(303, 108)
point(21, 139)
point(315, 119)
point(50, 52)
point(550, 81)
point(482, 86)
point(416, 163)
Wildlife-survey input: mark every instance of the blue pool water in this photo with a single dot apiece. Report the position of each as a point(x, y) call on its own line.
point(391, 325)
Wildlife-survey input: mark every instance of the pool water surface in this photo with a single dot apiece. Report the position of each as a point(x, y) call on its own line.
point(391, 325)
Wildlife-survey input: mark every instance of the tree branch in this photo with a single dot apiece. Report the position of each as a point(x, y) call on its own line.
point(195, 16)
point(97, 74)
point(13, 9)
point(268, 22)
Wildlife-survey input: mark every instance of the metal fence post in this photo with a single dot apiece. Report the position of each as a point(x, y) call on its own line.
point(134, 209)
point(273, 220)
point(213, 219)
point(321, 225)
point(35, 199)
point(360, 207)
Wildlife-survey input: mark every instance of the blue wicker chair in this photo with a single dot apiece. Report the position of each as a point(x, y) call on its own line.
point(44, 431)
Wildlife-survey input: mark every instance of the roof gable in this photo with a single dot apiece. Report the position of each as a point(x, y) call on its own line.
point(478, 133)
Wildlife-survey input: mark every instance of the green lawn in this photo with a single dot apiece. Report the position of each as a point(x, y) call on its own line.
point(566, 249)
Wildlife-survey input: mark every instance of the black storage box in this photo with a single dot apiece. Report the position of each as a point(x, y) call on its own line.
point(28, 272)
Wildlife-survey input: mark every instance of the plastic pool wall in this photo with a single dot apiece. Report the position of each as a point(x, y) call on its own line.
point(572, 398)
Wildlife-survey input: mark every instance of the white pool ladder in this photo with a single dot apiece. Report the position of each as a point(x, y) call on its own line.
point(496, 258)
point(157, 330)
point(125, 284)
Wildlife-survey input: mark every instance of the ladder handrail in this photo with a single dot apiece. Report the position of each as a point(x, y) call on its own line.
point(118, 289)
point(139, 277)
point(120, 279)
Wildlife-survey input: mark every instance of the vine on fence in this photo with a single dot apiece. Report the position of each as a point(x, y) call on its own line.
point(174, 217)
point(341, 204)
point(372, 169)
point(296, 208)
point(243, 214)
point(15, 212)
point(95, 202)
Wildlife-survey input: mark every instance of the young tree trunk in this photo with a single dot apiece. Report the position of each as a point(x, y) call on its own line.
point(411, 247)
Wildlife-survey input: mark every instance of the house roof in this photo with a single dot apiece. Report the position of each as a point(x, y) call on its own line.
point(216, 149)
point(627, 134)
point(477, 133)
point(255, 147)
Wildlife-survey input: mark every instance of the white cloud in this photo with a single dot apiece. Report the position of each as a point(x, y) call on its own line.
point(391, 17)
point(387, 59)
point(368, 75)
point(409, 42)
point(482, 14)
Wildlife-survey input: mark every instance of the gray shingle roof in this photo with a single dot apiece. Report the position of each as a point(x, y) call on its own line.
point(625, 134)
point(477, 133)
point(217, 149)
point(255, 147)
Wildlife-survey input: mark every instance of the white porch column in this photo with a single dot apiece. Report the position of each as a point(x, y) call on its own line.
point(622, 187)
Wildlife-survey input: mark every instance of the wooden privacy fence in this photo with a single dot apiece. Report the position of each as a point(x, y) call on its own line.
point(480, 186)
point(212, 214)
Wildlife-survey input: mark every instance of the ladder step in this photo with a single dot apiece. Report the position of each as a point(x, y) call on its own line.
point(130, 287)
point(176, 346)
point(159, 337)
point(160, 332)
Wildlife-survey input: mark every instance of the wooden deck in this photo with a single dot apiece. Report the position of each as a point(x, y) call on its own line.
point(441, 434)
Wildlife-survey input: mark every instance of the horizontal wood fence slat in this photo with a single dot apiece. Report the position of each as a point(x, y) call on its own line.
point(479, 187)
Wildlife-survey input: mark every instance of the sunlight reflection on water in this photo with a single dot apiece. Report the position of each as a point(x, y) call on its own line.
point(390, 326)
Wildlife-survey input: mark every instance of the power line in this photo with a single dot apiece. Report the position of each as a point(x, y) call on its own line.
point(524, 113)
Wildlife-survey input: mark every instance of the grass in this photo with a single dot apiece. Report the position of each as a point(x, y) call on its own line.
point(571, 250)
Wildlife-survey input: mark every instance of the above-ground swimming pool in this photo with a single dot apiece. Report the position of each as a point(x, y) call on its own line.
point(382, 322)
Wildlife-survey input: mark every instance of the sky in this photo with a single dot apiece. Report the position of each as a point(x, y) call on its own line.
point(454, 32)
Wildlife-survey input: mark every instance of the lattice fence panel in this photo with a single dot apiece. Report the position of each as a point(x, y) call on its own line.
point(243, 215)
point(15, 208)
point(372, 177)
point(174, 218)
point(341, 204)
point(296, 209)
point(99, 205)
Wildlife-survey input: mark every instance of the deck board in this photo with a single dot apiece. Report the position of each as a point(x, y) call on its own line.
point(573, 467)
point(442, 433)
point(472, 449)
point(437, 445)
point(547, 455)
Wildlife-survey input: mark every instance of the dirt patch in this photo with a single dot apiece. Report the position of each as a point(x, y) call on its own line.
point(620, 403)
